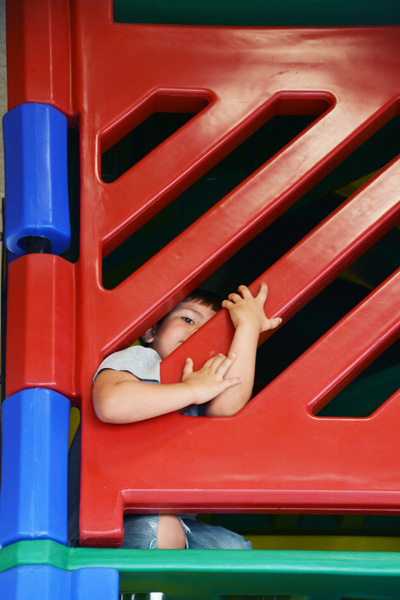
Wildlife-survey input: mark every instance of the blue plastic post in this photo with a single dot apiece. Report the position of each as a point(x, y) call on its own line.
point(33, 499)
point(44, 582)
point(36, 178)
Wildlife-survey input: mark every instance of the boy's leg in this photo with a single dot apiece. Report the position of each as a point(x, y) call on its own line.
point(171, 535)
point(201, 536)
point(153, 531)
point(140, 531)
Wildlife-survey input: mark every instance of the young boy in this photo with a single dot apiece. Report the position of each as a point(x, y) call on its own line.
point(124, 392)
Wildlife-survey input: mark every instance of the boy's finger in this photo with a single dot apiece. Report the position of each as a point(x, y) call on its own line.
point(217, 360)
point(232, 381)
point(234, 297)
point(230, 358)
point(226, 304)
point(263, 293)
point(187, 367)
point(214, 361)
point(244, 290)
point(275, 322)
point(226, 364)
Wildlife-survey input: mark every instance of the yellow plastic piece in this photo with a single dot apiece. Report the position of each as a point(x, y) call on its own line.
point(74, 420)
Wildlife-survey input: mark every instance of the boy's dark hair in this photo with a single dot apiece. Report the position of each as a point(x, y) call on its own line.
point(205, 297)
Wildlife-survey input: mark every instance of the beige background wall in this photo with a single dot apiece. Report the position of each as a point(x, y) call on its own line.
point(3, 86)
point(3, 99)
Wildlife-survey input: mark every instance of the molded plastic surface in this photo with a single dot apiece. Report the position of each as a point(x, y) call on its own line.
point(40, 324)
point(35, 158)
point(275, 455)
point(44, 582)
point(194, 574)
point(33, 501)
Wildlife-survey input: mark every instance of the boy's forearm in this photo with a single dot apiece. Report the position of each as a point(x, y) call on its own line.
point(132, 401)
point(120, 397)
point(244, 345)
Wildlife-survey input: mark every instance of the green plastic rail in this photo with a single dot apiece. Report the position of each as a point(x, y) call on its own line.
point(214, 573)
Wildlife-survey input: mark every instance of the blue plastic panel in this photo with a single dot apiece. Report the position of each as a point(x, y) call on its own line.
point(33, 500)
point(36, 177)
point(44, 582)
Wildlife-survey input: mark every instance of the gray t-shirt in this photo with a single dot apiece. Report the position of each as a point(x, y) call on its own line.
point(142, 362)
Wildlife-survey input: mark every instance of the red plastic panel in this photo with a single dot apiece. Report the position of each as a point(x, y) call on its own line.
point(40, 324)
point(274, 455)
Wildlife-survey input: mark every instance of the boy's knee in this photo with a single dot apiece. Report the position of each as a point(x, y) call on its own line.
point(170, 533)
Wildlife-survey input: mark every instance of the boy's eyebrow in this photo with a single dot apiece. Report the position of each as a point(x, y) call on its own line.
point(182, 306)
point(189, 308)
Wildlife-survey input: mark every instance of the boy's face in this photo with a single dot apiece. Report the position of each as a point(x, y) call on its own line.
point(178, 326)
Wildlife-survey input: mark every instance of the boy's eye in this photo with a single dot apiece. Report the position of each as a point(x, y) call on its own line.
point(188, 320)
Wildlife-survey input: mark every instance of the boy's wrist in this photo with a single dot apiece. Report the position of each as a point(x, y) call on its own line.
point(250, 326)
point(190, 392)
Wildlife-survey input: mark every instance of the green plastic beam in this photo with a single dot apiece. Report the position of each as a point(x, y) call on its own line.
point(200, 573)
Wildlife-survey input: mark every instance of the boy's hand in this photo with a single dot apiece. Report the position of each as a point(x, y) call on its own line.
point(208, 382)
point(245, 309)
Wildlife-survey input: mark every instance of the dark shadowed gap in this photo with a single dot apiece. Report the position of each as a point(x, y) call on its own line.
point(290, 13)
point(201, 196)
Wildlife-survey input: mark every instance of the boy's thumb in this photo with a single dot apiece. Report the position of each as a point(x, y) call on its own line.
point(188, 367)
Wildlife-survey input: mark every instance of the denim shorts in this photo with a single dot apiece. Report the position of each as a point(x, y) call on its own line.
point(140, 532)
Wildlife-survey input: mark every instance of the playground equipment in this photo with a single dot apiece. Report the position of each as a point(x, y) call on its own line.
point(277, 455)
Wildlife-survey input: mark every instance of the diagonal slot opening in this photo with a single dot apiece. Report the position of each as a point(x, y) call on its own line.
point(316, 205)
point(244, 160)
point(320, 314)
point(159, 117)
point(339, 297)
point(367, 392)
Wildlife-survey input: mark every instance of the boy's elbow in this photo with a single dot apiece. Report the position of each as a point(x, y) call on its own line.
point(103, 411)
point(105, 408)
point(225, 409)
point(221, 411)
point(111, 408)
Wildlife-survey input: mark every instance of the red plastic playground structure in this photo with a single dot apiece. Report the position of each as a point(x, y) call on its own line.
point(277, 455)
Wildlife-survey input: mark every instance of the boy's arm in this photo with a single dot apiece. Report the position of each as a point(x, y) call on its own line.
point(249, 319)
point(120, 397)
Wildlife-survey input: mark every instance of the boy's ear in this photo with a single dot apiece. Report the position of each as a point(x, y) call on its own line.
point(148, 335)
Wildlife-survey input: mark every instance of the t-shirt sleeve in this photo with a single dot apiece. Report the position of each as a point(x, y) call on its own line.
point(142, 362)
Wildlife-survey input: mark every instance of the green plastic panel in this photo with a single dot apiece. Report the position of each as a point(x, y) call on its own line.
point(208, 574)
point(259, 13)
